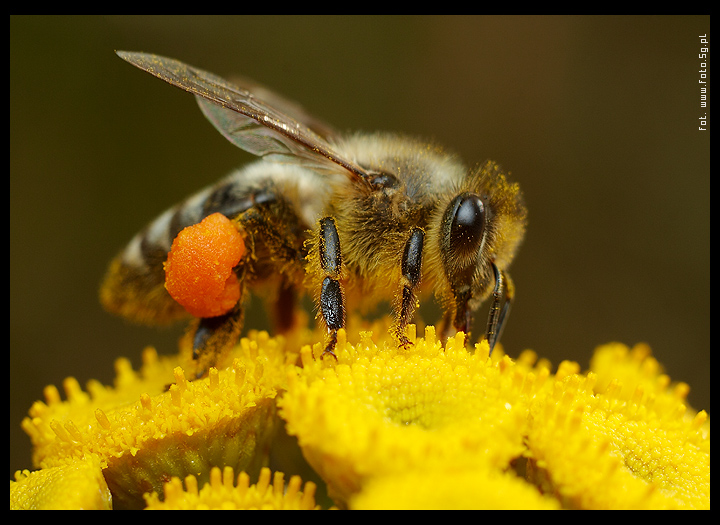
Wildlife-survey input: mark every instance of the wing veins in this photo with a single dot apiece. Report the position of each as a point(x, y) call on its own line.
point(235, 99)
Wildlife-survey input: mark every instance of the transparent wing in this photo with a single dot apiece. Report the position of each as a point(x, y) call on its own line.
point(290, 108)
point(249, 121)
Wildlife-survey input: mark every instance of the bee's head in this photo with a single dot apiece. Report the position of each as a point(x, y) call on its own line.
point(482, 224)
point(462, 237)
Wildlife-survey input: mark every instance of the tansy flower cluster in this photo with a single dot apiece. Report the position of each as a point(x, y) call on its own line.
point(432, 425)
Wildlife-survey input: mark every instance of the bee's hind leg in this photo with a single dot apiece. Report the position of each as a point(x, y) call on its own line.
point(213, 335)
point(268, 223)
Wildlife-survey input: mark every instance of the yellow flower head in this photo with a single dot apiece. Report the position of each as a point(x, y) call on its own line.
point(382, 410)
point(452, 489)
point(155, 423)
point(620, 437)
point(222, 493)
point(427, 426)
point(75, 486)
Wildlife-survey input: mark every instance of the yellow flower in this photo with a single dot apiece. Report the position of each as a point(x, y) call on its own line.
point(222, 493)
point(156, 424)
point(427, 426)
point(382, 410)
point(79, 485)
point(616, 437)
point(620, 437)
point(452, 489)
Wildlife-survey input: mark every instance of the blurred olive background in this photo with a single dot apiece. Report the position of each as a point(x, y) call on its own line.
point(596, 117)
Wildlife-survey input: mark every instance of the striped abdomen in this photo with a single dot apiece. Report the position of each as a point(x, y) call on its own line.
point(134, 286)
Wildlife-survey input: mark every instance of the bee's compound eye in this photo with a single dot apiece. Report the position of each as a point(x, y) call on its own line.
point(468, 224)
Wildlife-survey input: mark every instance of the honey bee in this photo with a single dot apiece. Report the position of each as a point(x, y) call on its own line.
point(353, 219)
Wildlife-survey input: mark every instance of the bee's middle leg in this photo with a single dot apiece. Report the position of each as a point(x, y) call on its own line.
point(332, 301)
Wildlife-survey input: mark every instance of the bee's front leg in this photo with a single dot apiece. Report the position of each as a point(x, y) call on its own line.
point(503, 295)
point(411, 266)
point(332, 301)
point(463, 318)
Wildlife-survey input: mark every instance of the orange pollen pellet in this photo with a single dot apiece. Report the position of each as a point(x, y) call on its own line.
point(199, 268)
